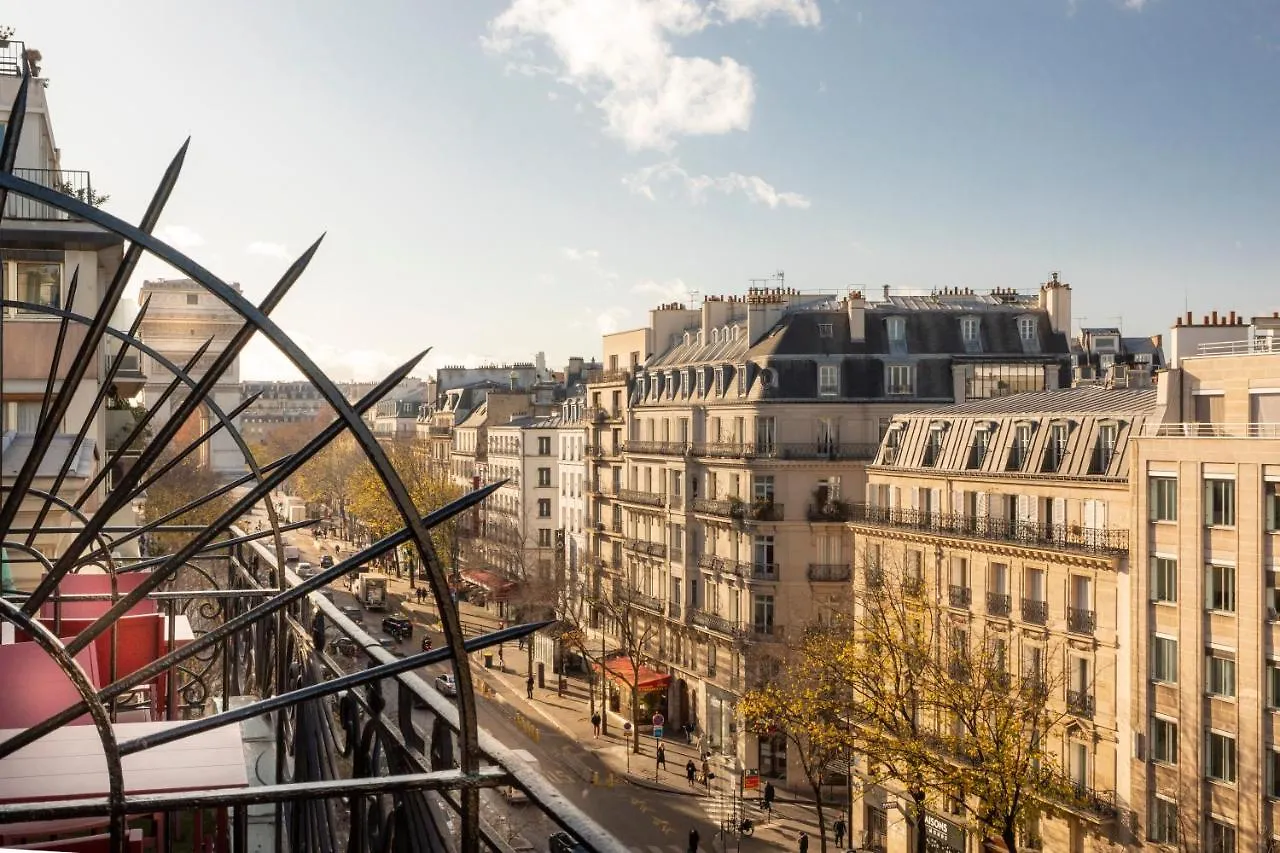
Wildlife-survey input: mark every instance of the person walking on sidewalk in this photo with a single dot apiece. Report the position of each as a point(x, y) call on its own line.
point(528, 686)
point(690, 771)
point(768, 796)
point(693, 839)
point(804, 842)
point(839, 830)
point(662, 756)
point(595, 723)
point(502, 664)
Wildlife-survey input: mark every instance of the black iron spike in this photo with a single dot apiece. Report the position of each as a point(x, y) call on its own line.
point(290, 277)
point(327, 688)
point(223, 544)
point(57, 346)
point(226, 629)
point(141, 426)
point(255, 494)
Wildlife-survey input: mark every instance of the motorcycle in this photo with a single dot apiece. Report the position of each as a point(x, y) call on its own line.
point(426, 644)
point(747, 827)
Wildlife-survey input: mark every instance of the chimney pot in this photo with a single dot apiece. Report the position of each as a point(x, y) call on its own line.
point(1215, 318)
point(1189, 321)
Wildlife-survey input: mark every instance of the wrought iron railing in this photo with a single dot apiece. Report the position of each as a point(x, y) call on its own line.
point(737, 509)
point(1035, 610)
point(1080, 703)
point(821, 572)
point(999, 604)
point(959, 596)
point(1069, 537)
point(76, 184)
point(714, 622)
point(636, 496)
point(657, 448)
point(1081, 620)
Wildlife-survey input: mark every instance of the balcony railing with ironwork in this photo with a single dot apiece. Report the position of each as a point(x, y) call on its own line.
point(713, 622)
point(830, 572)
point(765, 632)
point(1067, 537)
point(673, 609)
point(1080, 703)
point(640, 546)
point(1076, 795)
point(1035, 611)
point(636, 496)
point(657, 448)
point(648, 602)
point(830, 511)
point(737, 509)
point(1211, 430)
point(959, 596)
point(1081, 621)
point(78, 185)
point(439, 431)
point(913, 585)
point(723, 564)
point(999, 604)
point(782, 451)
point(764, 571)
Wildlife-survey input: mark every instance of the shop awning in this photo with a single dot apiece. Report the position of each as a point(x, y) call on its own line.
point(498, 587)
point(624, 671)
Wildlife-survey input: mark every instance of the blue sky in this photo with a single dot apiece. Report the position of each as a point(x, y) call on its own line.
point(498, 177)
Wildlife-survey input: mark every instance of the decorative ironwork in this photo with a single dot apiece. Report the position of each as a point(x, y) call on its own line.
point(351, 770)
point(1067, 537)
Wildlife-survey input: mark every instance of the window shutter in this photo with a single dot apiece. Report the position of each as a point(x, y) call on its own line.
point(895, 497)
point(1059, 510)
point(957, 502)
point(936, 504)
point(915, 498)
point(984, 505)
point(1024, 508)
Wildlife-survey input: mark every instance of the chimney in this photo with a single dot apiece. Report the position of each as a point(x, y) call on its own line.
point(857, 308)
point(1055, 300)
point(1190, 322)
point(886, 293)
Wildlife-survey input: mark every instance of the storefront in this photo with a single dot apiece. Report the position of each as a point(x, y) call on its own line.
point(649, 684)
point(942, 836)
point(721, 724)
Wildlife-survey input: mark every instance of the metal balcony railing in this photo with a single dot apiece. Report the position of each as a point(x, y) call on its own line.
point(764, 571)
point(640, 546)
point(830, 511)
point(913, 585)
point(657, 448)
point(1035, 611)
point(1080, 703)
point(1081, 621)
point(737, 509)
point(783, 451)
point(648, 602)
point(76, 184)
point(999, 604)
point(1077, 795)
point(638, 497)
point(959, 596)
point(765, 632)
point(1028, 533)
point(1211, 430)
point(830, 572)
point(673, 609)
point(713, 622)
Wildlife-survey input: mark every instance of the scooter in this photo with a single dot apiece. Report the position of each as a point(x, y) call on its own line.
point(747, 827)
point(426, 644)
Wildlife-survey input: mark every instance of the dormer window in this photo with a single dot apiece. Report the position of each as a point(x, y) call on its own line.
point(971, 334)
point(1029, 334)
point(1105, 450)
point(896, 330)
point(981, 444)
point(826, 330)
point(828, 380)
point(892, 443)
point(720, 372)
point(687, 384)
point(702, 383)
point(671, 385)
point(933, 445)
point(1056, 451)
point(1021, 447)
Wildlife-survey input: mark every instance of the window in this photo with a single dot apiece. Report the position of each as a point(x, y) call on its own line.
point(37, 283)
point(1164, 579)
point(544, 446)
point(1220, 757)
point(900, 379)
point(1164, 498)
point(1273, 684)
point(1220, 673)
point(702, 382)
point(1106, 450)
point(896, 329)
point(1273, 774)
point(1021, 447)
point(933, 446)
point(544, 507)
point(1220, 588)
point(825, 330)
point(1164, 821)
point(544, 476)
point(969, 332)
point(1222, 837)
point(1271, 507)
point(544, 537)
point(1164, 660)
point(978, 452)
point(828, 380)
point(1164, 740)
point(1027, 330)
point(193, 299)
point(762, 613)
point(766, 432)
point(22, 416)
point(762, 487)
point(1057, 449)
point(1219, 502)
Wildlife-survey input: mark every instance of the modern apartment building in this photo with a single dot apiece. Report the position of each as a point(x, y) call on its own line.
point(41, 251)
point(571, 449)
point(1206, 600)
point(1013, 515)
point(721, 457)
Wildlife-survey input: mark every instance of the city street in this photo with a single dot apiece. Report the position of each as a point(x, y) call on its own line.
point(647, 820)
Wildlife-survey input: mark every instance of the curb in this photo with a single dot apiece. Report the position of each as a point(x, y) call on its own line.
point(649, 784)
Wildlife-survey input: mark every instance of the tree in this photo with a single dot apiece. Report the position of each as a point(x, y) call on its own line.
point(625, 609)
point(807, 707)
point(185, 482)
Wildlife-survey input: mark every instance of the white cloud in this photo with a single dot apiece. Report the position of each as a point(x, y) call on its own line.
point(696, 187)
point(268, 250)
point(1135, 5)
point(610, 319)
point(261, 360)
point(620, 53)
point(590, 260)
point(180, 236)
point(674, 290)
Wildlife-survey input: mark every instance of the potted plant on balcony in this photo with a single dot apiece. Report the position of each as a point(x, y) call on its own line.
point(761, 507)
point(6, 33)
point(736, 508)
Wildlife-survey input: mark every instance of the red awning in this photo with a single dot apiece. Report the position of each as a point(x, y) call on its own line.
point(624, 671)
point(496, 586)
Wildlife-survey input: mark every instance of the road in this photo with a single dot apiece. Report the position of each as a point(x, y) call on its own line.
point(647, 821)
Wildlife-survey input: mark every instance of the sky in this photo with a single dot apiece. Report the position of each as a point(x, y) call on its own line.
point(496, 178)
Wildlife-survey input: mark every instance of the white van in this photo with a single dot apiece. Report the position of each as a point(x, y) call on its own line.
point(511, 792)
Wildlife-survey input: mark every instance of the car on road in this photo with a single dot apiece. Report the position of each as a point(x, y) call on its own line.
point(398, 627)
point(326, 561)
point(304, 570)
point(355, 614)
point(446, 685)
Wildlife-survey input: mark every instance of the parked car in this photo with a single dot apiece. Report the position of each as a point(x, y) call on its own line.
point(304, 570)
point(446, 685)
point(398, 627)
point(326, 561)
point(562, 842)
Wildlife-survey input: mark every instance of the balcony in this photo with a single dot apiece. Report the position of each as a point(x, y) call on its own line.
point(638, 497)
point(765, 632)
point(1035, 611)
point(830, 572)
point(673, 609)
point(764, 571)
point(723, 450)
point(439, 431)
point(640, 546)
point(1080, 703)
point(830, 511)
point(648, 602)
point(1211, 430)
point(603, 451)
point(78, 185)
point(129, 379)
point(721, 564)
point(1111, 541)
point(999, 604)
point(1081, 621)
point(834, 451)
point(1093, 803)
point(959, 596)
point(913, 585)
point(715, 623)
point(733, 508)
point(657, 448)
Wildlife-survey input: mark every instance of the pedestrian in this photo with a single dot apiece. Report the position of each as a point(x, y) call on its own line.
point(706, 772)
point(502, 665)
point(690, 771)
point(839, 829)
point(528, 686)
point(768, 796)
point(662, 756)
point(804, 842)
point(595, 726)
point(693, 840)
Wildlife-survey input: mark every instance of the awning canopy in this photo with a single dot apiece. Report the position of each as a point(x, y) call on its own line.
point(498, 587)
point(624, 671)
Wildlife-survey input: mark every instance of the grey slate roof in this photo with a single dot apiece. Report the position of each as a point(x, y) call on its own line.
point(1083, 400)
